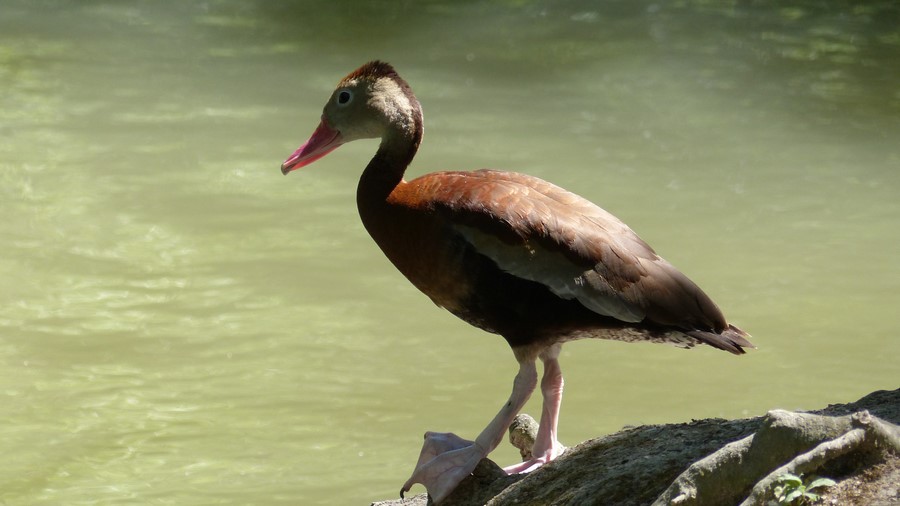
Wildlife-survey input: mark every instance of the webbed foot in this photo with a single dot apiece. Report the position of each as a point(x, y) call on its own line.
point(445, 460)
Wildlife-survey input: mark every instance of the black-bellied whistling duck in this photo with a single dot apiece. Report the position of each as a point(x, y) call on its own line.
point(510, 254)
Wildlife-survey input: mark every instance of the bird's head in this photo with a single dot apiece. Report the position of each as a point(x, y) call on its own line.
point(371, 102)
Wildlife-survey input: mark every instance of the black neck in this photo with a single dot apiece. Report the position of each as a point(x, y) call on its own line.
point(397, 149)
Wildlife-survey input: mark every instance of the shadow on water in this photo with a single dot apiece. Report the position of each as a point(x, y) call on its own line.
point(837, 50)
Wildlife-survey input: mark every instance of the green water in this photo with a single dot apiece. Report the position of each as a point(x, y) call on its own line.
point(180, 324)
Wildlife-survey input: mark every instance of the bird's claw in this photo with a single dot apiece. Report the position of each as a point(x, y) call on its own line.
point(445, 460)
point(536, 462)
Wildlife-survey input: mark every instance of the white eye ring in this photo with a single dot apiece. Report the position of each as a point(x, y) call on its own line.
point(344, 97)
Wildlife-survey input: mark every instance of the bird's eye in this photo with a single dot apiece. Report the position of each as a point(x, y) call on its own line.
point(344, 97)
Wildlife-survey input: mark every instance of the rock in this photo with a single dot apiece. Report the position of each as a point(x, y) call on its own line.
point(878, 485)
point(522, 432)
point(710, 461)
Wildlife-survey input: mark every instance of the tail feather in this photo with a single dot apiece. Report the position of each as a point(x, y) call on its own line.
point(732, 339)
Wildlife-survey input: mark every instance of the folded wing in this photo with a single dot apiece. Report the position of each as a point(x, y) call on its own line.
point(540, 232)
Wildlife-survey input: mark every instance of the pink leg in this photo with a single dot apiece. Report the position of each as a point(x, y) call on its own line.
point(447, 459)
point(546, 446)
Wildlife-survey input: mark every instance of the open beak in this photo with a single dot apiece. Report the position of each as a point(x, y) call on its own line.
point(323, 141)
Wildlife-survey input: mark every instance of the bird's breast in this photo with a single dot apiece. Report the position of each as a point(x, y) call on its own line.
point(424, 249)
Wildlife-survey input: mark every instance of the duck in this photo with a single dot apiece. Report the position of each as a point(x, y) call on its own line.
point(510, 254)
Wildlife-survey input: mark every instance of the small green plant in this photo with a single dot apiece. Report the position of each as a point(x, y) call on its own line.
point(793, 491)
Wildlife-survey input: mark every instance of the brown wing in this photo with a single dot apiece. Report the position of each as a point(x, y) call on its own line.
point(541, 232)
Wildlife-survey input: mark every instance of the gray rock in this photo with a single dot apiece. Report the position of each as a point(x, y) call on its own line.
point(632, 467)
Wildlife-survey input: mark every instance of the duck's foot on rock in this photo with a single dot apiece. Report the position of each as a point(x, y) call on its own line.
point(445, 460)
